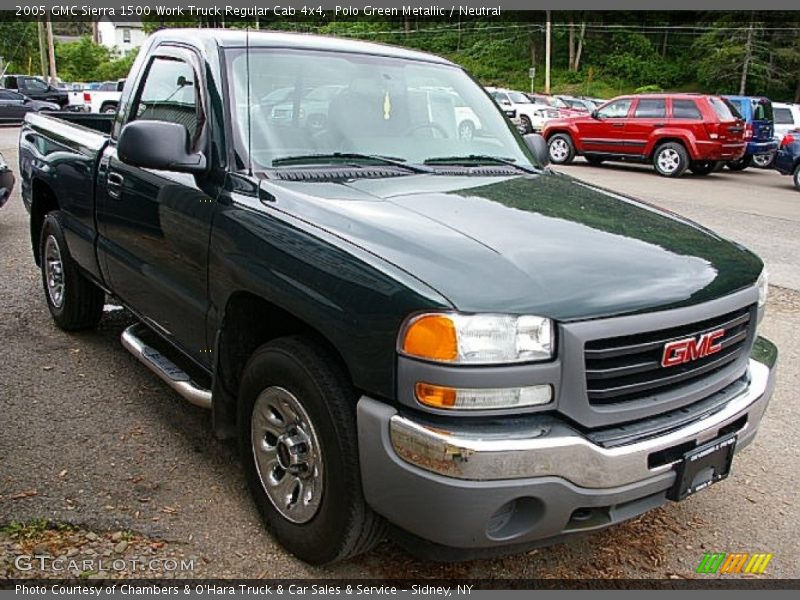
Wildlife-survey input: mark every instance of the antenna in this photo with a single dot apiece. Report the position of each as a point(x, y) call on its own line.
point(249, 114)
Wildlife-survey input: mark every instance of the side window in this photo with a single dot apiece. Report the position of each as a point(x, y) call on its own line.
point(651, 108)
point(170, 94)
point(6, 95)
point(33, 85)
point(783, 116)
point(685, 109)
point(617, 109)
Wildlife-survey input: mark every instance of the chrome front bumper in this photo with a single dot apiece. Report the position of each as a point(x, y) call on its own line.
point(561, 451)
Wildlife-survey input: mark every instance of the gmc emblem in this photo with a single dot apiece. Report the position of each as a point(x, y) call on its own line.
point(683, 351)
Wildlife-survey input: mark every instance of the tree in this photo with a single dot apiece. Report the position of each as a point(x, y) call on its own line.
point(79, 61)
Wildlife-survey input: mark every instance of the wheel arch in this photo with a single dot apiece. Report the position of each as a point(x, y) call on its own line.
point(687, 143)
point(248, 322)
point(43, 201)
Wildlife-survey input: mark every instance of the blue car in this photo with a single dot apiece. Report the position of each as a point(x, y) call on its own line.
point(759, 131)
point(787, 159)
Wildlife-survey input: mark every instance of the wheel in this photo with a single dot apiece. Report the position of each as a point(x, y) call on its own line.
point(595, 161)
point(561, 148)
point(703, 167)
point(527, 126)
point(740, 164)
point(299, 445)
point(763, 161)
point(466, 131)
point(74, 301)
point(796, 178)
point(670, 159)
point(109, 109)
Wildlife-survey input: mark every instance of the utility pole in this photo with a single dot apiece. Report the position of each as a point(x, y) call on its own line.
point(42, 47)
point(51, 50)
point(547, 55)
point(748, 55)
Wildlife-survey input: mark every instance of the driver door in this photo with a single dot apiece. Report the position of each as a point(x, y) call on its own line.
point(605, 132)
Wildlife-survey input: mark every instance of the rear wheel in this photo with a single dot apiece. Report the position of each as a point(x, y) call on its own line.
point(740, 164)
point(703, 167)
point(670, 159)
point(561, 149)
point(796, 178)
point(466, 131)
point(74, 301)
point(763, 161)
point(299, 445)
point(109, 109)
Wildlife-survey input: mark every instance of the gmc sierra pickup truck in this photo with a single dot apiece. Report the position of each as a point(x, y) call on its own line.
point(406, 329)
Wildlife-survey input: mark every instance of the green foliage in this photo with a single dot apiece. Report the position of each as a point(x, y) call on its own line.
point(646, 89)
point(79, 61)
point(115, 69)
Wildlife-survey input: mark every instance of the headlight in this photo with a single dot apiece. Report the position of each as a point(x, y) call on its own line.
point(477, 339)
point(762, 288)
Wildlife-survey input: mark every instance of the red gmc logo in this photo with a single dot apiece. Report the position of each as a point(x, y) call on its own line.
point(683, 351)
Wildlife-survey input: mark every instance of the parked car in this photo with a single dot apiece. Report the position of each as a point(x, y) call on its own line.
point(673, 131)
point(6, 181)
point(787, 158)
point(759, 132)
point(103, 98)
point(505, 104)
point(14, 106)
point(787, 118)
point(532, 116)
point(397, 326)
point(34, 88)
point(578, 104)
point(564, 109)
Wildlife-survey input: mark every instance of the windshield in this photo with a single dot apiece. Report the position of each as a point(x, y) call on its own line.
point(519, 98)
point(724, 109)
point(307, 103)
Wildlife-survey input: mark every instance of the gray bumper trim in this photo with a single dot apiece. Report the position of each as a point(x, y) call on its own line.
point(561, 451)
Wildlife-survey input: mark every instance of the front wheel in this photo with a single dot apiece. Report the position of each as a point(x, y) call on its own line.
point(466, 131)
point(670, 159)
point(561, 149)
point(527, 126)
point(74, 301)
point(299, 445)
point(740, 164)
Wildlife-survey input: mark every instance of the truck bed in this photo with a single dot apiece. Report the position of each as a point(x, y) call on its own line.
point(96, 121)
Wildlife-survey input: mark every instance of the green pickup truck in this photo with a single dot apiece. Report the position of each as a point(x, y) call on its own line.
point(409, 330)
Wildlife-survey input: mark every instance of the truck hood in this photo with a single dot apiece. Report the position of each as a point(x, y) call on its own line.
point(545, 244)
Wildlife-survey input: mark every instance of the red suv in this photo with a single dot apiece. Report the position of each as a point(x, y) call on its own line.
point(673, 131)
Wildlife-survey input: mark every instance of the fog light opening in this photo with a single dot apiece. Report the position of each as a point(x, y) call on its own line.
point(515, 518)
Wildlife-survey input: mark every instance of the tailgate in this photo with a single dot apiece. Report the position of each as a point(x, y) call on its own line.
point(763, 120)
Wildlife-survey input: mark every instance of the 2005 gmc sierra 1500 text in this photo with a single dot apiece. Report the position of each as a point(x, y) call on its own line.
point(402, 326)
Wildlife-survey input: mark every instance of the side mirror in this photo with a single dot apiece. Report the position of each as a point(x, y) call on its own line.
point(159, 145)
point(595, 114)
point(538, 146)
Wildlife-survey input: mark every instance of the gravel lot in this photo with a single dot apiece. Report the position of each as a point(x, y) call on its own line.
point(95, 451)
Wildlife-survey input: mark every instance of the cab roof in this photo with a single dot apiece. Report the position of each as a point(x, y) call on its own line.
point(237, 38)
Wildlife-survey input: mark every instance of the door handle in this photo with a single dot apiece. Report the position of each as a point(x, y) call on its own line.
point(660, 125)
point(618, 124)
point(114, 183)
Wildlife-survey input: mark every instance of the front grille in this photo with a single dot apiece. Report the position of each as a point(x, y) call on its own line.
point(628, 368)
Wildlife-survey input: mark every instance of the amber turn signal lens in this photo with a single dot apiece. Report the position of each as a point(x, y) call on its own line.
point(435, 395)
point(432, 337)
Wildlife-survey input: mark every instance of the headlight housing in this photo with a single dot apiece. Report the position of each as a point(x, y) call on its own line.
point(763, 283)
point(477, 339)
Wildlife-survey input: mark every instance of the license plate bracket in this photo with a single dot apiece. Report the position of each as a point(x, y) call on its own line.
point(702, 467)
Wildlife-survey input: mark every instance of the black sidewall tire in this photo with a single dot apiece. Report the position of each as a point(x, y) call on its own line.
point(684, 159)
point(594, 160)
point(703, 167)
point(796, 178)
point(300, 366)
point(571, 154)
point(527, 124)
point(740, 164)
point(82, 307)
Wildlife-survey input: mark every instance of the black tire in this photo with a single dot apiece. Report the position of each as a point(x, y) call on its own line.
point(80, 304)
point(740, 164)
point(670, 159)
point(703, 167)
point(796, 178)
point(343, 524)
point(109, 109)
point(527, 126)
point(595, 161)
point(561, 144)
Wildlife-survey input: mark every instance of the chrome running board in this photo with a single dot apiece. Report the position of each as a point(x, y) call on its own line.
point(168, 371)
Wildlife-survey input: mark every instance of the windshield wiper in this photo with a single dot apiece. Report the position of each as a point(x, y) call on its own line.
point(352, 159)
point(480, 159)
